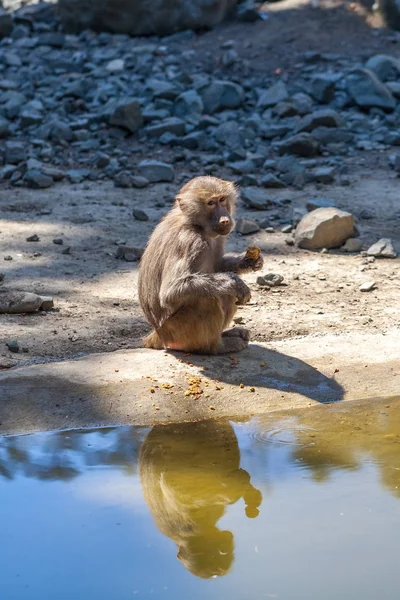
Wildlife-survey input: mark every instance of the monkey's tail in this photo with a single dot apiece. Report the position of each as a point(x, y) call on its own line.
point(153, 340)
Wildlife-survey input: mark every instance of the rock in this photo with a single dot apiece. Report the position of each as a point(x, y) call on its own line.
point(101, 160)
point(128, 116)
point(77, 175)
point(162, 88)
point(271, 181)
point(368, 286)
point(194, 140)
point(353, 245)
point(53, 172)
point(15, 152)
point(136, 18)
point(229, 134)
point(123, 179)
point(324, 175)
point(172, 125)
point(368, 92)
point(61, 131)
point(140, 215)
point(270, 280)
point(6, 23)
point(20, 302)
point(58, 241)
point(129, 254)
point(285, 109)
point(385, 67)
point(314, 203)
point(33, 238)
point(394, 88)
point(332, 135)
point(301, 144)
point(156, 171)
point(246, 226)
point(221, 94)
point(13, 346)
point(275, 131)
point(276, 93)
point(115, 66)
point(189, 106)
point(229, 57)
point(52, 38)
point(47, 303)
point(4, 128)
point(287, 228)
point(30, 117)
point(382, 249)
point(323, 87)
point(255, 198)
point(324, 228)
point(247, 12)
point(303, 103)
point(35, 179)
point(139, 182)
point(325, 117)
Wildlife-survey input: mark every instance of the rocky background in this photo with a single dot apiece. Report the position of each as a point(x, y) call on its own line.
point(296, 106)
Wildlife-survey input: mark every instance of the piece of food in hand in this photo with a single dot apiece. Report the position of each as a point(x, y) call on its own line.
point(253, 252)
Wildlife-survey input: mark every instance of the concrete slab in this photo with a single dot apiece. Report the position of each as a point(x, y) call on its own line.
point(146, 387)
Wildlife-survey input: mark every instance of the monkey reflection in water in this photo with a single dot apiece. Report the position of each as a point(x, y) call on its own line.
point(189, 473)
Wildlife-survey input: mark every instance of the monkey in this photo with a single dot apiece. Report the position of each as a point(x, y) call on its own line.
point(189, 290)
point(190, 474)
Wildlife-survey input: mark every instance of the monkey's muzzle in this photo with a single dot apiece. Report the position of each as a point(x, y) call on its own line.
point(224, 226)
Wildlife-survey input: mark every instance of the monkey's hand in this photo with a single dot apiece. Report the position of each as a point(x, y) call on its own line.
point(242, 291)
point(250, 264)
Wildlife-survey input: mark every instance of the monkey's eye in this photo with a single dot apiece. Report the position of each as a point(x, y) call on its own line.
point(222, 199)
point(211, 203)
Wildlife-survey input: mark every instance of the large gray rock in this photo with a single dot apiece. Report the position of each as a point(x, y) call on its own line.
point(189, 106)
point(383, 248)
point(326, 117)
point(301, 144)
point(222, 94)
point(368, 92)
point(385, 67)
point(274, 94)
point(246, 226)
point(156, 171)
point(128, 116)
point(12, 302)
point(137, 17)
point(324, 228)
point(256, 198)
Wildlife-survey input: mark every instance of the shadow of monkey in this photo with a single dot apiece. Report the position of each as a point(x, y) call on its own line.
point(190, 473)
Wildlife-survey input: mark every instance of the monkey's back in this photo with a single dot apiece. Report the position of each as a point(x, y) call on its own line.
point(162, 251)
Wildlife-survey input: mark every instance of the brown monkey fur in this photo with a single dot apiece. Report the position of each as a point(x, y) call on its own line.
point(188, 289)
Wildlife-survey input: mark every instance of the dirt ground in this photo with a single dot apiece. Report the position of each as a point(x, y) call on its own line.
point(95, 294)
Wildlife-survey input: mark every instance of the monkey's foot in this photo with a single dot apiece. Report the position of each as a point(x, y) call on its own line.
point(237, 332)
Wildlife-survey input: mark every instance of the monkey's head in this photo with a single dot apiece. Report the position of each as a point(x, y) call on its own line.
point(209, 203)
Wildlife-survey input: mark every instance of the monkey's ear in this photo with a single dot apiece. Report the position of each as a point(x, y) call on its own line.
point(178, 201)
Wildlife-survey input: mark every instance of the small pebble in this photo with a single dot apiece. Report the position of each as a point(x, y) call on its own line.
point(140, 215)
point(13, 346)
point(368, 286)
